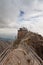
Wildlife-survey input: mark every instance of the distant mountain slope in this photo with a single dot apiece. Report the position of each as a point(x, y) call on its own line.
point(4, 45)
point(5, 42)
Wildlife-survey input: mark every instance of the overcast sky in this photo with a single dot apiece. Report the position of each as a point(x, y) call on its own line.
point(18, 13)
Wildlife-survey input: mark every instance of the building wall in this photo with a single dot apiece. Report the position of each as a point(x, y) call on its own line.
point(21, 33)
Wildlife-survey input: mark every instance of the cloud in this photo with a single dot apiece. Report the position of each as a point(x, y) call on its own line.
point(34, 25)
point(9, 11)
point(31, 16)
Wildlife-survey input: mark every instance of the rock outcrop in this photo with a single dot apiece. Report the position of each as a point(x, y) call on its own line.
point(33, 39)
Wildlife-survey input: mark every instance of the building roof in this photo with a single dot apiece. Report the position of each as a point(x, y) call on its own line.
point(24, 29)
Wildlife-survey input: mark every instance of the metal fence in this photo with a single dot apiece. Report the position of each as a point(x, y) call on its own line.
point(35, 59)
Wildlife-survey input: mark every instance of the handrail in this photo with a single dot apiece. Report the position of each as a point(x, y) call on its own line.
point(34, 53)
point(4, 54)
point(30, 48)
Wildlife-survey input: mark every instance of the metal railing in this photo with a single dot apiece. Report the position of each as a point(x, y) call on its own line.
point(33, 54)
point(4, 53)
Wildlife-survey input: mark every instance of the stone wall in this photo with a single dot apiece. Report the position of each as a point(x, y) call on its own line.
point(22, 32)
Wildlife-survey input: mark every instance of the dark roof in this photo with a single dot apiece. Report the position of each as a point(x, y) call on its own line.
point(24, 29)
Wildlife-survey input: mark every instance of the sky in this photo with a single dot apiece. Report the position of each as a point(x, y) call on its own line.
point(21, 13)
